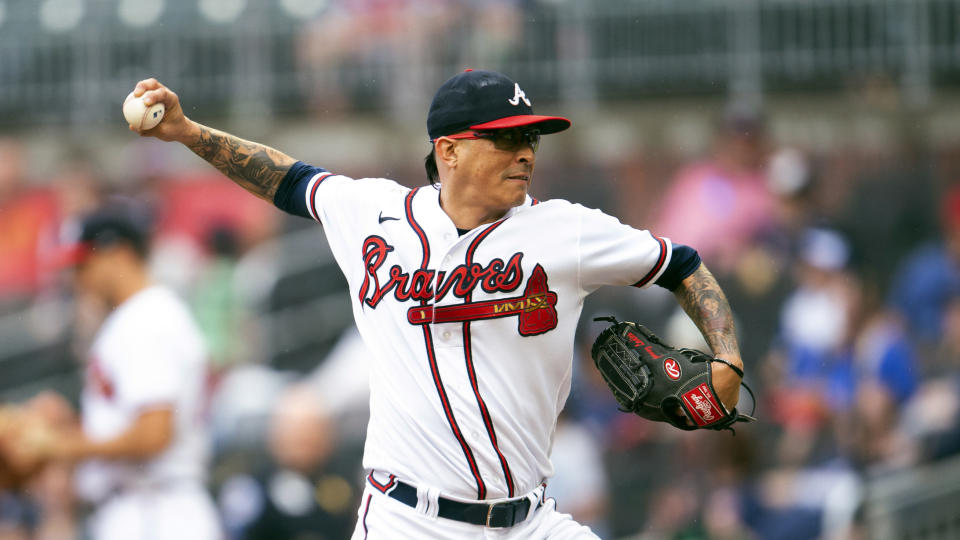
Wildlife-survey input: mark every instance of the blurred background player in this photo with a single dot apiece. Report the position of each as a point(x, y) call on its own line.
point(140, 443)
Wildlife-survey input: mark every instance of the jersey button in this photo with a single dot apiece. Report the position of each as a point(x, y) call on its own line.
point(446, 260)
point(446, 334)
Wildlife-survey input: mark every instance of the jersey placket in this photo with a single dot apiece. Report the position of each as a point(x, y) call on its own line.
point(447, 335)
point(440, 368)
point(455, 352)
point(449, 339)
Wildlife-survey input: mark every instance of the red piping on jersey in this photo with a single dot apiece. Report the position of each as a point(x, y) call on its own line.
point(656, 268)
point(313, 195)
point(534, 202)
point(381, 487)
point(431, 356)
point(468, 358)
point(408, 208)
point(365, 512)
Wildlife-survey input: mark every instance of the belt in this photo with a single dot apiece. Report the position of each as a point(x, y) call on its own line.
point(502, 514)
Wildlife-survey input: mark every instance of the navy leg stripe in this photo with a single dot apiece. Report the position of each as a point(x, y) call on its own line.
point(365, 512)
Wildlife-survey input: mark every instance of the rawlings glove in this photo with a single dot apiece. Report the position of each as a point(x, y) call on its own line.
point(661, 383)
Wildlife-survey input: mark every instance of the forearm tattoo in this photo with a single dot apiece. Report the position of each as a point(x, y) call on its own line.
point(256, 168)
point(703, 300)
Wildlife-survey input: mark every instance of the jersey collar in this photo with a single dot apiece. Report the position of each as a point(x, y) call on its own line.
point(427, 209)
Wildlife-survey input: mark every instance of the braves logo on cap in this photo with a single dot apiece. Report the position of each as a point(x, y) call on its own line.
point(672, 368)
point(518, 94)
point(475, 100)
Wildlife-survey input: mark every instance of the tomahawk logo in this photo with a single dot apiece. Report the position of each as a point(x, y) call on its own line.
point(672, 368)
point(518, 95)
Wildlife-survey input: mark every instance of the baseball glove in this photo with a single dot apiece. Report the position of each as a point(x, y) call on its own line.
point(659, 382)
point(25, 442)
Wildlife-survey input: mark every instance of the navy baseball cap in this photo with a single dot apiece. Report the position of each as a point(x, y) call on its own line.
point(477, 99)
point(102, 229)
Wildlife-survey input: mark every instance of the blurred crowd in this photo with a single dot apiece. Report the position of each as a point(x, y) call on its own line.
point(842, 267)
point(842, 271)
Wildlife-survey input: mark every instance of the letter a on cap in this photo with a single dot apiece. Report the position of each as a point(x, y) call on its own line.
point(518, 95)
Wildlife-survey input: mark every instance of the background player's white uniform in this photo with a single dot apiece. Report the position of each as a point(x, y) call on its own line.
point(472, 339)
point(148, 353)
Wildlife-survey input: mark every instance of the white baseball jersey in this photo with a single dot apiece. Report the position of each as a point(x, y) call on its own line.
point(148, 353)
point(472, 336)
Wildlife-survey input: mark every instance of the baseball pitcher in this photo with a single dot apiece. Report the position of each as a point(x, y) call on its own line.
point(467, 292)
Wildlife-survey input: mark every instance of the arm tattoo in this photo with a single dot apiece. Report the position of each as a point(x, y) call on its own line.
point(703, 300)
point(256, 168)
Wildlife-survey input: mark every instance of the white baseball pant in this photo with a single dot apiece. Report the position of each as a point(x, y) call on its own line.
point(182, 512)
point(381, 517)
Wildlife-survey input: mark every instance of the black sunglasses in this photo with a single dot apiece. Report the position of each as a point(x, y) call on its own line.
point(510, 140)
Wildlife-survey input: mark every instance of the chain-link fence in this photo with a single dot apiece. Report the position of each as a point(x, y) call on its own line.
point(919, 504)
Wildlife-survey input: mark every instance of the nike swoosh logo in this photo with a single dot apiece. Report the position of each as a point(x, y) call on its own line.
point(388, 218)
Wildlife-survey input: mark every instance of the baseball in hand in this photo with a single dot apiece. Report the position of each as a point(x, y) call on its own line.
point(139, 115)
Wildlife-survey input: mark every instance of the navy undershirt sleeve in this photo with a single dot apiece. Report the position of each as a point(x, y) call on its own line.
point(684, 261)
point(291, 195)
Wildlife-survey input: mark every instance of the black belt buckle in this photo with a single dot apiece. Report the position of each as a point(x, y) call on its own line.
point(506, 514)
